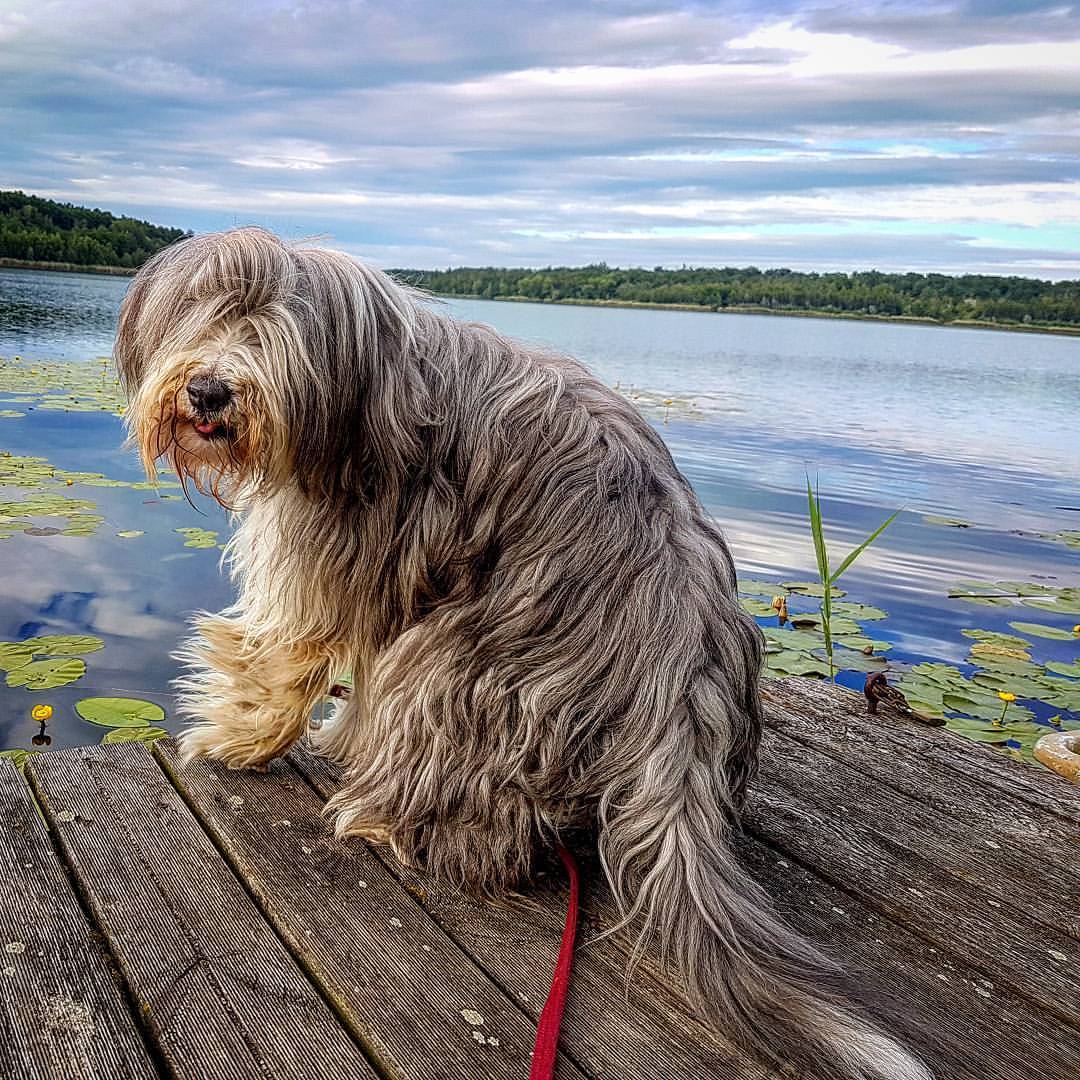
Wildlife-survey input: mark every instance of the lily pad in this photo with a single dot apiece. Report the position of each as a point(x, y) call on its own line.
point(984, 732)
point(130, 534)
point(756, 607)
point(1053, 633)
point(1071, 670)
point(755, 587)
point(17, 756)
point(198, 538)
point(64, 644)
point(119, 712)
point(994, 637)
point(851, 610)
point(952, 523)
point(47, 674)
point(811, 588)
point(133, 734)
point(14, 654)
point(985, 707)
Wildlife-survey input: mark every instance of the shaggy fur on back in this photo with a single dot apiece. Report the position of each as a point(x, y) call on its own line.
point(540, 619)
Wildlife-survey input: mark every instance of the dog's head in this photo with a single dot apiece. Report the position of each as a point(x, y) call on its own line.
point(250, 363)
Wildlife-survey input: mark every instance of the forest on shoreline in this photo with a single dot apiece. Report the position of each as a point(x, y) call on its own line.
point(37, 232)
point(41, 231)
point(941, 298)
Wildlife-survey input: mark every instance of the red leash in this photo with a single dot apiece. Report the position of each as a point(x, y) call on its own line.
point(547, 1030)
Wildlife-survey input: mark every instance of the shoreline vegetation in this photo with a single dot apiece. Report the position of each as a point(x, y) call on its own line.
point(41, 234)
point(972, 300)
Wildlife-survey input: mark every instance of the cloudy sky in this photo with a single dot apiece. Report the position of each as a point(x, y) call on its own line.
point(898, 135)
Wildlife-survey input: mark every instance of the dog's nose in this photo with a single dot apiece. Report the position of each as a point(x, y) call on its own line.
point(207, 394)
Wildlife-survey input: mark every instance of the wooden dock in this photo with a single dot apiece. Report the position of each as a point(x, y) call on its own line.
point(181, 922)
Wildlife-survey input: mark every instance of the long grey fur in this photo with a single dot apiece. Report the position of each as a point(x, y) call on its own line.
point(540, 618)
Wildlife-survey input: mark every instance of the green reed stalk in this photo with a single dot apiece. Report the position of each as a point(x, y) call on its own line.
point(829, 577)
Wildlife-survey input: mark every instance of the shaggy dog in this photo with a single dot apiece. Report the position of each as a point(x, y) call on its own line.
point(540, 619)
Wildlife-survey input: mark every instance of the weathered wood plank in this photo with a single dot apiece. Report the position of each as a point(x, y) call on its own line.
point(613, 1030)
point(219, 993)
point(795, 807)
point(420, 1005)
point(967, 1025)
point(835, 722)
point(975, 849)
point(61, 1012)
point(809, 703)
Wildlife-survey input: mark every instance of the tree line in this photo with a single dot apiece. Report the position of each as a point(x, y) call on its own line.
point(940, 297)
point(41, 230)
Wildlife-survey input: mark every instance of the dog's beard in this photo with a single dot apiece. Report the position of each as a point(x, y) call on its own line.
point(217, 454)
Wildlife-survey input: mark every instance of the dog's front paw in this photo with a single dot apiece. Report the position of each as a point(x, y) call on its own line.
point(216, 743)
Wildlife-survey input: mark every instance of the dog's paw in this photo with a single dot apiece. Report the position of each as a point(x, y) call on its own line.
point(212, 742)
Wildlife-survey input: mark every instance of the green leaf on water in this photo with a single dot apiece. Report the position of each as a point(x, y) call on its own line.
point(197, 538)
point(133, 734)
point(47, 674)
point(951, 523)
point(64, 644)
point(849, 609)
point(129, 534)
point(1053, 633)
point(994, 637)
point(811, 588)
point(755, 587)
point(756, 607)
point(119, 712)
point(17, 756)
point(1071, 670)
point(14, 654)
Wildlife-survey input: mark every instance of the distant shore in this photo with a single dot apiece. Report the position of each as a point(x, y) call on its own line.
point(66, 268)
point(745, 309)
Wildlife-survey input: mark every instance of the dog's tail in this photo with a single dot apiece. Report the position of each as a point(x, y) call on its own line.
point(750, 976)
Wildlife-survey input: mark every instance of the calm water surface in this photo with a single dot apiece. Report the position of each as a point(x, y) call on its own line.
point(967, 424)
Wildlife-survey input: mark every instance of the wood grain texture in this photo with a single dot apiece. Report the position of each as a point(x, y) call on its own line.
point(614, 1030)
point(967, 1025)
point(62, 1015)
point(809, 809)
point(809, 705)
point(1041, 839)
point(219, 993)
point(419, 1004)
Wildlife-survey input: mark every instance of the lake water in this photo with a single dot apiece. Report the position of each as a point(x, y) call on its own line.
point(974, 426)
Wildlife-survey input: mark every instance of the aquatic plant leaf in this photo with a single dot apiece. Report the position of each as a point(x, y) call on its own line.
point(14, 654)
point(65, 644)
point(989, 732)
point(952, 523)
point(810, 588)
point(755, 587)
point(1071, 670)
point(17, 756)
point(756, 607)
point(850, 609)
point(995, 637)
point(132, 734)
point(120, 712)
point(198, 538)
point(854, 660)
point(1053, 633)
point(47, 674)
point(991, 650)
point(985, 708)
point(130, 534)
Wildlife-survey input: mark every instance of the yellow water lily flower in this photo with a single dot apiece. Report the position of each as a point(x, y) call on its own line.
point(41, 713)
point(1006, 696)
point(1076, 629)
